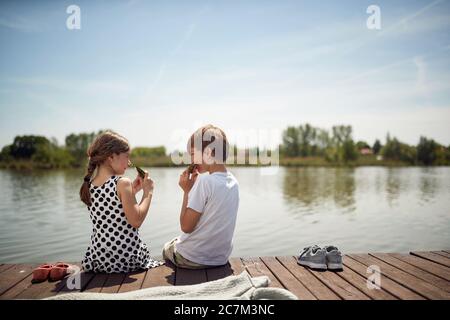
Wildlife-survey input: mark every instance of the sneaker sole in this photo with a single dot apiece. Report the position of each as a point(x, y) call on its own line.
point(313, 265)
point(334, 266)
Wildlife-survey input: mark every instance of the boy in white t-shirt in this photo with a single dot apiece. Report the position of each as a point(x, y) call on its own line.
point(210, 204)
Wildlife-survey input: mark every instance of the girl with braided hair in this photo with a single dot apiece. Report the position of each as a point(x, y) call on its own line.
point(116, 245)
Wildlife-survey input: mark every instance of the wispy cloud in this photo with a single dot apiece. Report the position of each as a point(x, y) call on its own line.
point(418, 61)
point(187, 36)
point(185, 39)
point(24, 24)
point(405, 25)
point(174, 52)
point(93, 87)
point(407, 19)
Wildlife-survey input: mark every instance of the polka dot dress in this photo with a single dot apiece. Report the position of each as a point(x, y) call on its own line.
point(115, 245)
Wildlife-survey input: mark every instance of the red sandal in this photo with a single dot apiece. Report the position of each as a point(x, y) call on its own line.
point(52, 272)
point(42, 272)
point(59, 271)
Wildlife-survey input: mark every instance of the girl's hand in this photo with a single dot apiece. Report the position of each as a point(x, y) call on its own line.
point(185, 182)
point(147, 184)
point(137, 184)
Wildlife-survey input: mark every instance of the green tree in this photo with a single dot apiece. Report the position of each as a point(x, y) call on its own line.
point(51, 156)
point(447, 155)
point(396, 150)
point(304, 141)
point(306, 136)
point(38, 150)
point(291, 142)
point(323, 141)
point(77, 145)
point(24, 147)
point(5, 154)
point(149, 152)
point(349, 151)
point(362, 144)
point(343, 147)
point(427, 151)
point(340, 134)
point(376, 146)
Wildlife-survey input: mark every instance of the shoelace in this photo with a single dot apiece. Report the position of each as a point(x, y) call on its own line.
point(305, 250)
point(329, 249)
point(313, 249)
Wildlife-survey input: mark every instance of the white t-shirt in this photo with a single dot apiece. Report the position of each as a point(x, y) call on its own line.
point(216, 196)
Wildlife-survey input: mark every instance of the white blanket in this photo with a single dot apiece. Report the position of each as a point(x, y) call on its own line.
point(240, 287)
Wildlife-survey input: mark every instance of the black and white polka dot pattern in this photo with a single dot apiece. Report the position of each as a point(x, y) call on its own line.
point(115, 245)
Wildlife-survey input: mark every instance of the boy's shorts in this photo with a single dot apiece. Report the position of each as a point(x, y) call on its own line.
point(170, 253)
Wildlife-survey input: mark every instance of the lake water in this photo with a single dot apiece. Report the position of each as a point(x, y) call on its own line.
point(363, 209)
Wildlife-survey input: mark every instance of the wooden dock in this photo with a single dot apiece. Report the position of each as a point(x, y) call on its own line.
point(417, 276)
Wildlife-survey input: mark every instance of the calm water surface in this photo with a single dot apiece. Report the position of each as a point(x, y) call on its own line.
point(359, 210)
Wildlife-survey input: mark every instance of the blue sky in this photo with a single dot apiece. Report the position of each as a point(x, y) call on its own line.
point(156, 70)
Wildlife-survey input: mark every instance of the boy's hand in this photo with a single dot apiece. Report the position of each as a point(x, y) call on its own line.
point(185, 182)
point(137, 184)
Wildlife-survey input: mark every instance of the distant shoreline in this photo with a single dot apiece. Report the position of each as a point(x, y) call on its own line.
point(365, 161)
point(302, 146)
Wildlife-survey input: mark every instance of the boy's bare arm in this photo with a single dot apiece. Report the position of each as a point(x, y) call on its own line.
point(188, 216)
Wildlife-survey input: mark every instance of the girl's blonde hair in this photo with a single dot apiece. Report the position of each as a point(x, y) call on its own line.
point(103, 146)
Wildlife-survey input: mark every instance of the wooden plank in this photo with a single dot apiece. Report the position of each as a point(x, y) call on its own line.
point(442, 253)
point(419, 286)
point(217, 273)
point(5, 267)
point(40, 290)
point(287, 279)
point(85, 278)
point(14, 291)
point(256, 268)
point(96, 283)
point(432, 257)
point(419, 273)
point(360, 283)
point(236, 266)
point(427, 265)
point(133, 281)
point(316, 287)
point(113, 283)
point(339, 286)
point(160, 276)
point(189, 276)
point(14, 275)
point(43, 289)
point(387, 285)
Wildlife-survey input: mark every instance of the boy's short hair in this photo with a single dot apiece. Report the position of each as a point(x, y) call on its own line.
point(208, 135)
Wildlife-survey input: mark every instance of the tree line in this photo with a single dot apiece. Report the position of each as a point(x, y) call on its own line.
point(298, 142)
point(338, 146)
point(33, 151)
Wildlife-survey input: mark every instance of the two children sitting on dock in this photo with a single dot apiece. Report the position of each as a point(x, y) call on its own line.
point(208, 212)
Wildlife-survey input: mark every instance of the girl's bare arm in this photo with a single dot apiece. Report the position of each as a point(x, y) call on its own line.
point(134, 212)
